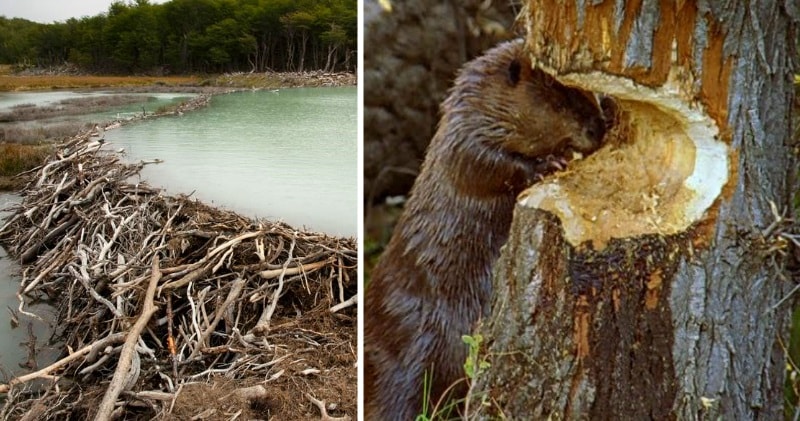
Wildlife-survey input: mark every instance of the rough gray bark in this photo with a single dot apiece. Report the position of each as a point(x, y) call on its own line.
point(685, 326)
point(412, 53)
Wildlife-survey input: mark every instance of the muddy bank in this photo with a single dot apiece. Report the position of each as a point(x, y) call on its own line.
point(174, 309)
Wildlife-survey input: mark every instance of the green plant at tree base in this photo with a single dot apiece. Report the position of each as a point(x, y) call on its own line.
point(474, 366)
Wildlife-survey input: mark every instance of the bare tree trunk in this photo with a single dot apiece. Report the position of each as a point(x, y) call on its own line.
point(330, 63)
point(657, 294)
point(347, 55)
point(303, 43)
point(290, 50)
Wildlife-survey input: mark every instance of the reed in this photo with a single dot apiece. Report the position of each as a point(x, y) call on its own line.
point(24, 83)
point(16, 158)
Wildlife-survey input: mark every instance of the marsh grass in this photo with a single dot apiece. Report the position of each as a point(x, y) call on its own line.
point(34, 134)
point(24, 83)
point(16, 158)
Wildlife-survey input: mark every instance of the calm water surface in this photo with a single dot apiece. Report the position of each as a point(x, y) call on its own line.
point(13, 341)
point(287, 156)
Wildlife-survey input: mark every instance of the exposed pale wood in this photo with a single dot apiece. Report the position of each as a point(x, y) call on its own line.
point(120, 378)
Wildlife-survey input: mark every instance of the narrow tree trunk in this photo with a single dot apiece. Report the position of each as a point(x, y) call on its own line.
point(347, 55)
point(330, 63)
point(290, 51)
point(185, 52)
point(637, 305)
point(303, 43)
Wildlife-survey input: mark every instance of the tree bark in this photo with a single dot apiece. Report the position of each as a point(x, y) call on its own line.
point(680, 323)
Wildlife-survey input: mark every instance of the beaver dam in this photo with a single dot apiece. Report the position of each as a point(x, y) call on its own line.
point(171, 309)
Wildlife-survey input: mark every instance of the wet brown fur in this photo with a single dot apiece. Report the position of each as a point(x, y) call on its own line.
point(433, 283)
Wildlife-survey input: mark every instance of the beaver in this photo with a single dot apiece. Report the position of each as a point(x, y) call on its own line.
point(503, 126)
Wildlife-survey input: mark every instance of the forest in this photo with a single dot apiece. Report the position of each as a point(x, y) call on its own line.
point(191, 36)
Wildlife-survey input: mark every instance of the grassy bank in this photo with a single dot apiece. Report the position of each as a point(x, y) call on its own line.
point(34, 83)
point(14, 83)
point(16, 158)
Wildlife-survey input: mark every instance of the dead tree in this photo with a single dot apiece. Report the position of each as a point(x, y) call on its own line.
point(650, 281)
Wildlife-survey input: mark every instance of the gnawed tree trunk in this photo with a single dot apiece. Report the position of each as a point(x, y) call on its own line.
point(652, 283)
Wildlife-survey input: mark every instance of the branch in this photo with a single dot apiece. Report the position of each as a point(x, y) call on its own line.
point(126, 356)
point(108, 340)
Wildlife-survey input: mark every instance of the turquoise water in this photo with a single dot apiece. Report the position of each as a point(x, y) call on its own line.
point(288, 155)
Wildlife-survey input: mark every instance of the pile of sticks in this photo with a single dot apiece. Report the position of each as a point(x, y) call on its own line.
point(154, 291)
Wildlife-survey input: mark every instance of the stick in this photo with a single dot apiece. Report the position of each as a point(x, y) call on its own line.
point(108, 340)
point(233, 294)
point(126, 356)
point(262, 326)
point(273, 273)
point(344, 304)
point(323, 412)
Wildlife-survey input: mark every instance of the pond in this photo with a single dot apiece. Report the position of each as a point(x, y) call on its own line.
point(288, 155)
point(14, 340)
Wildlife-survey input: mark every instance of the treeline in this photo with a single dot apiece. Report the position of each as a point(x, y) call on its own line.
point(187, 36)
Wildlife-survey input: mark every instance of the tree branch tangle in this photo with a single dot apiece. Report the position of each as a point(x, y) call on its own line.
point(649, 281)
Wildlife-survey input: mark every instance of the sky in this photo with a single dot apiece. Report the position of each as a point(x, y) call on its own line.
point(48, 11)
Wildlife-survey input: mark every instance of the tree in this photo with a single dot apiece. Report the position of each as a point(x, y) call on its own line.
point(335, 38)
point(652, 284)
point(297, 23)
point(191, 35)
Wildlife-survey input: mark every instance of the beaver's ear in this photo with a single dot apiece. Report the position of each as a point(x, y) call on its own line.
point(514, 70)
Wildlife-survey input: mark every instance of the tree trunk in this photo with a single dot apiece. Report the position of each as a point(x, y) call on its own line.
point(290, 50)
point(650, 283)
point(347, 55)
point(330, 64)
point(303, 43)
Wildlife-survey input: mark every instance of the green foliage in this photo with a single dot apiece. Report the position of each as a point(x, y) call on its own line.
point(192, 36)
point(474, 364)
point(426, 397)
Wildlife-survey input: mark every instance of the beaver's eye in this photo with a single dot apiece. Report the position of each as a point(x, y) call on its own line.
point(514, 69)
